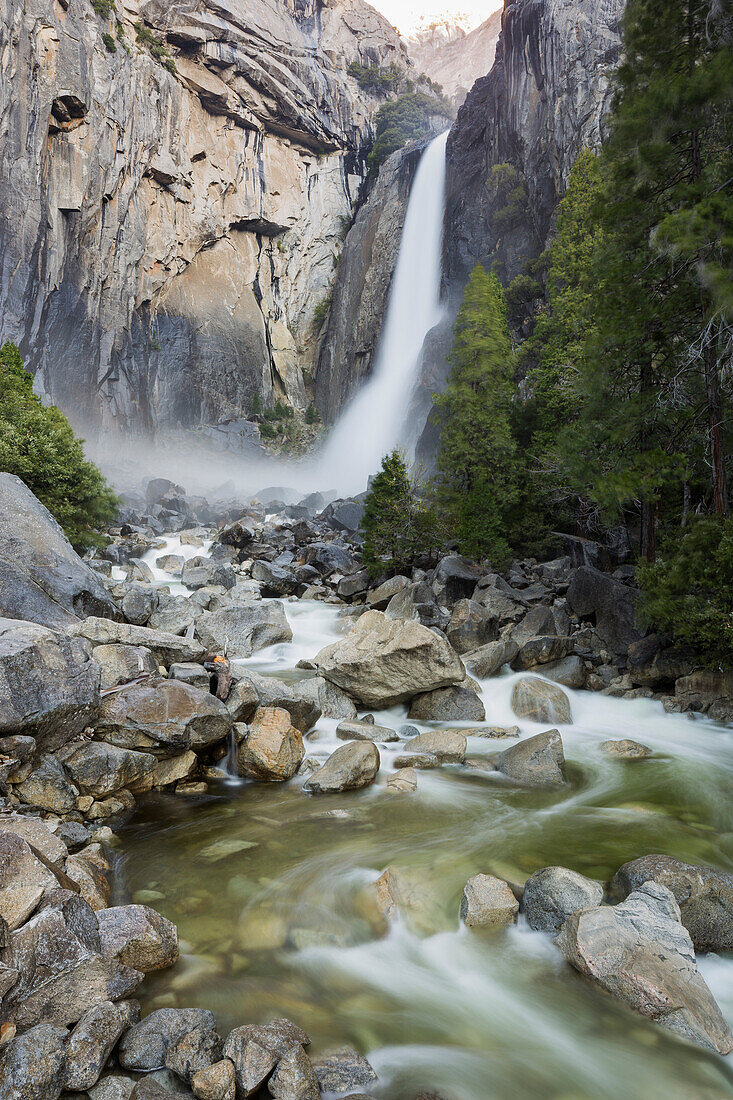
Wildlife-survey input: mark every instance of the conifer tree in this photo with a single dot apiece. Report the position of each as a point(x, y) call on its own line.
point(477, 458)
point(399, 521)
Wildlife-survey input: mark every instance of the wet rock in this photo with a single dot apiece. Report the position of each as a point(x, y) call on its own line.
point(294, 1077)
point(202, 572)
point(48, 788)
point(122, 663)
point(350, 767)
point(499, 732)
point(244, 628)
point(420, 760)
point(334, 702)
point(217, 1082)
point(138, 936)
point(379, 597)
point(403, 781)
point(63, 972)
point(488, 901)
point(32, 1065)
point(354, 730)
point(538, 701)
point(626, 750)
point(489, 658)
point(536, 761)
point(553, 893)
point(448, 746)
point(198, 1049)
point(417, 602)
point(92, 1040)
point(191, 673)
point(255, 1051)
point(42, 579)
point(166, 648)
point(144, 1047)
point(49, 685)
point(23, 879)
point(542, 651)
point(172, 770)
point(163, 717)
point(704, 895)
point(272, 749)
point(173, 614)
point(641, 953)
point(170, 563)
point(570, 672)
point(383, 661)
point(342, 1070)
point(303, 708)
point(275, 579)
point(451, 704)
point(100, 769)
point(613, 606)
point(470, 626)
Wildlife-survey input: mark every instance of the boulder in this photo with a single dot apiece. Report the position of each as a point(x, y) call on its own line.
point(355, 584)
point(450, 704)
point(383, 661)
point(627, 750)
point(454, 579)
point(487, 902)
point(113, 1087)
point(48, 788)
point(612, 605)
point(92, 1040)
point(144, 1047)
point(275, 579)
point(470, 626)
point(272, 749)
point(166, 648)
point(101, 769)
point(704, 895)
point(342, 1070)
point(447, 746)
point(334, 702)
point(538, 701)
point(641, 953)
point(202, 572)
point(379, 597)
point(173, 614)
point(418, 602)
point(198, 1049)
point(217, 1082)
point(36, 832)
point(256, 1051)
point(351, 766)
point(32, 1065)
point(23, 879)
point(539, 622)
point(502, 606)
point(253, 690)
point(294, 1077)
point(163, 718)
point(139, 602)
point(189, 672)
point(138, 936)
point(242, 629)
point(42, 579)
point(354, 730)
point(542, 651)
point(553, 893)
point(570, 672)
point(90, 870)
point(49, 684)
point(344, 515)
point(331, 557)
point(403, 781)
point(62, 971)
point(488, 659)
point(535, 761)
point(423, 761)
point(122, 663)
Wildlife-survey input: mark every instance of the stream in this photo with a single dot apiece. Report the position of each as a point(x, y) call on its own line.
point(266, 885)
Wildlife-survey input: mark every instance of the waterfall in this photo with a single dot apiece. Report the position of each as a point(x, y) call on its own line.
point(374, 421)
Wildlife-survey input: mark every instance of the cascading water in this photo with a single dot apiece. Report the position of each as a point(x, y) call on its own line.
point(374, 421)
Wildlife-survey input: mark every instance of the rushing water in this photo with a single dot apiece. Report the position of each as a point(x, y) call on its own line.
point(266, 885)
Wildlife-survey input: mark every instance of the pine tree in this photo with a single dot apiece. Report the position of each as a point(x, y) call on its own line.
point(399, 522)
point(477, 460)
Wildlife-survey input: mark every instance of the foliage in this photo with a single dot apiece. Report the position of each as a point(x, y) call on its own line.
point(256, 405)
point(155, 46)
point(279, 411)
point(322, 310)
point(38, 445)
point(268, 431)
point(477, 461)
point(510, 198)
point(109, 42)
point(103, 7)
point(378, 81)
point(520, 295)
point(311, 414)
point(399, 521)
point(408, 118)
point(688, 593)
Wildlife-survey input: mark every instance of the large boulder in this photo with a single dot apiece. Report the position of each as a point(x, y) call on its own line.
point(351, 766)
point(144, 1047)
point(450, 704)
point(244, 628)
point(203, 572)
point(163, 718)
point(42, 578)
point(272, 749)
point(538, 701)
point(704, 895)
point(384, 661)
point(32, 1065)
point(378, 598)
point(101, 769)
point(48, 787)
point(173, 614)
point(641, 953)
point(448, 746)
point(610, 603)
point(138, 936)
point(470, 626)
point(62, 970)
point(455, 579)
point(553, 893)
point(535, 762)
point(23, 880)
point(92, 1040)
point(252, 691)
point(120, 664)
point(417, 601)
point(167, 648)
point(488, 659)
point(542, 650)
point(49, 684)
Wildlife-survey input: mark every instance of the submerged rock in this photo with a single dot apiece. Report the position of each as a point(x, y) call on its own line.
point(640, 952)
point(553, 893)
point(350, 767)
point(626, 749)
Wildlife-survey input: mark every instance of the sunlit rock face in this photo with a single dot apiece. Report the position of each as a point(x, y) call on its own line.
point(166, 237)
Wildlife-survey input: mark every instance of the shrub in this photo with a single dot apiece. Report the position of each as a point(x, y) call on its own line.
point(103, 7)
point(155, 46)
point(371, 78)
point(267, 431)
point(399, 523)
point(688, 592)
point(311, 414)
point(256, 406)
point(38, 445)
point(407, 118)
point(322, 310)
point(109, 42)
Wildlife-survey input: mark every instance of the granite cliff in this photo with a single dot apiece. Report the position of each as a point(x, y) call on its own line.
point(454, 57)
point(177, 178)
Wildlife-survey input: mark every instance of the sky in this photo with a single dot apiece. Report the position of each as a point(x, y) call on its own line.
point(407, 14)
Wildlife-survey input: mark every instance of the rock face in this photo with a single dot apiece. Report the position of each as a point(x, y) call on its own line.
point(42, 578)
point(543, 101)
point(454, 58)
point(386, 661)
point(223, 206)
point(641, 953)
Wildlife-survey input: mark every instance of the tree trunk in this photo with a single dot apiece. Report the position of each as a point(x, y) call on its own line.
point(717, 456)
